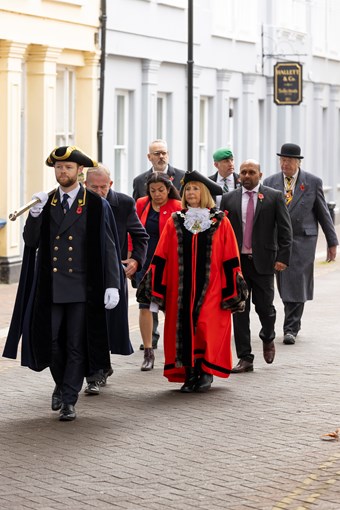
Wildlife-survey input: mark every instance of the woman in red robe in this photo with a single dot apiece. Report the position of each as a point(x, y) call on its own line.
point(195, 278)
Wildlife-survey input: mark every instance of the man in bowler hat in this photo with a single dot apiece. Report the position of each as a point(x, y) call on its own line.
point(307, 209)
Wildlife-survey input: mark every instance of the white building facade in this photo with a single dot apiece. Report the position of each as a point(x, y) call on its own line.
point(50, 89)
point(236, 44)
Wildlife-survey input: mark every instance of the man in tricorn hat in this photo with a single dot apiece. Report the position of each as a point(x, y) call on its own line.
point(307, 208)
point(63, 296)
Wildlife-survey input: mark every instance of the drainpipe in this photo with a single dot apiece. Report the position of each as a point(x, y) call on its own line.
point(190, 66)
point(102, 19)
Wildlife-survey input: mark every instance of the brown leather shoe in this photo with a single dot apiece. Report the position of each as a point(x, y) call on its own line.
point(269, 351)
point(243, 366)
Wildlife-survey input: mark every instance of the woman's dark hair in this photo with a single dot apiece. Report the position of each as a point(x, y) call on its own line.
point(164, 179)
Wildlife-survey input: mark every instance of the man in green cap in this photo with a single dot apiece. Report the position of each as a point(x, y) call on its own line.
point(225, 175)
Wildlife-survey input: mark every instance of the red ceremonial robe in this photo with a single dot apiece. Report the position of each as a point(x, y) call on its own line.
point(193, 279)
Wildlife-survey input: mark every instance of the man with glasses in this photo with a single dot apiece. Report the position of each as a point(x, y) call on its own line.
point(159, 157)
point(307, 208)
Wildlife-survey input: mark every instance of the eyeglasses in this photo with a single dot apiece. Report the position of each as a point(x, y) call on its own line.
point(159, 153)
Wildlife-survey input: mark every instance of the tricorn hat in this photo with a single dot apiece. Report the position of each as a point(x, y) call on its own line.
point(215, 189)
point(223, 153)
point(290, 150)
point(70, 153)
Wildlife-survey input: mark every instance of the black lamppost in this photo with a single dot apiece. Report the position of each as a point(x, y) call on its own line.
point(190, 66)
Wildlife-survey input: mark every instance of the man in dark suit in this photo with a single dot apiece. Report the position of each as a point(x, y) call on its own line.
point(307, 208)
point(225, 175)
point(69, 283)
point(264, 234)
point(158, 155)
point(99, 181)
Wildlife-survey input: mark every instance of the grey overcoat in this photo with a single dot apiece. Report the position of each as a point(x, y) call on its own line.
point(307, 210)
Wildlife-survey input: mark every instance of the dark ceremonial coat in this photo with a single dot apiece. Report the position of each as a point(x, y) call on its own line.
point(307, 209)
point(194, 278)
point(127, 221)
point(139, 182)
point(272, 231)
point(87, 224)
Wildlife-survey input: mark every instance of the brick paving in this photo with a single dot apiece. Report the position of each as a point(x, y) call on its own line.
point(252, 442)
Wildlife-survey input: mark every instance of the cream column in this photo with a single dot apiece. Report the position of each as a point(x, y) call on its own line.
point(269, 139)
point(248, 146)
point(150, 70)
point(41, 116)
point(222, 100)
point(11, 60)
point(87, 96)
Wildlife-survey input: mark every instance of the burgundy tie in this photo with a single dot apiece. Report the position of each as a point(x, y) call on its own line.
point(248, 230)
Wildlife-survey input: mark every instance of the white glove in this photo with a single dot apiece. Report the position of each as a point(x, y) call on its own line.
point(111, 298)
point(37, 208)
point(154, 308)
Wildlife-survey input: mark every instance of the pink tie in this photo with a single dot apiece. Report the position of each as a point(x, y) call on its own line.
point(248, 230)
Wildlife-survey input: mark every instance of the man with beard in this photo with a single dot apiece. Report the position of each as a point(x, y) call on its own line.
point(65, 289)
point(158, 156)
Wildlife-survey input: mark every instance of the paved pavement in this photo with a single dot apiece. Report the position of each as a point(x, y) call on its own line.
point(252, 442)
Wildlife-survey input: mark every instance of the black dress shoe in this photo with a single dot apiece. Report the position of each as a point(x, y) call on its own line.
point(204, 383)
point(92, 388)
point(269, 351)
point(191, 379)
point(289, 339)
point(243, 366)
point(56, 399)
point(67, 412)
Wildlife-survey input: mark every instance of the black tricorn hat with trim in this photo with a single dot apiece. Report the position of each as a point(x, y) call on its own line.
point(290, 150)
point(70, 153)
point(215, 189)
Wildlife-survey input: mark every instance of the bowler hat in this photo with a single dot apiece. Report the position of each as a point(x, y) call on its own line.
point(290, 150)
point(222, 153)
point(215, 189)
point(72, 154)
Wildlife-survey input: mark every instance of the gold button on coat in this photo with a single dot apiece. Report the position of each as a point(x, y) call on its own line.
point(70, 238)
point(55, 259)
point(56, 248)
point(70, 270)
point(55, 270)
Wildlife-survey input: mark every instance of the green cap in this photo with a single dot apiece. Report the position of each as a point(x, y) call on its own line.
point(223, 153)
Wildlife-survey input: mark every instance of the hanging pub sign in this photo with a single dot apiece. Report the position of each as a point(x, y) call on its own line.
point(287, 83)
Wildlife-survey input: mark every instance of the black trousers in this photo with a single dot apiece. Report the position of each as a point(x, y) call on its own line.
point(68, 349)
point(293, 315)
point(261, 293)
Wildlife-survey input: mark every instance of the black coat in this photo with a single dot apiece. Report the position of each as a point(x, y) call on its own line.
point(32, 311)
point(139, 182)
point(272, 229)
point(127, 221)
